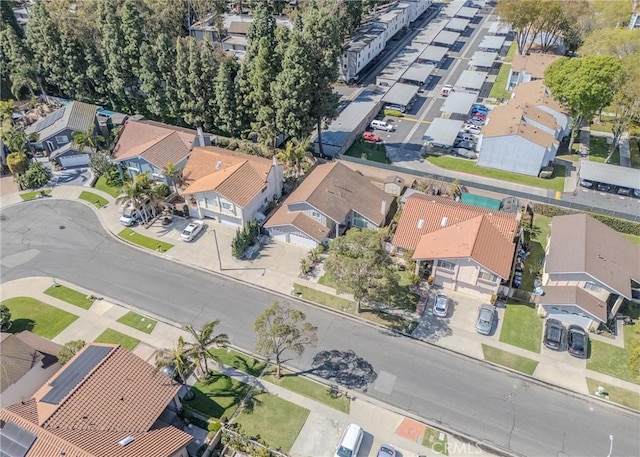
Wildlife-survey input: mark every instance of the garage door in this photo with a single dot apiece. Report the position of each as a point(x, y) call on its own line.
point(471, 290)
point(302, 241)
point(230, 220)
point(78, 160)
point(280, 237)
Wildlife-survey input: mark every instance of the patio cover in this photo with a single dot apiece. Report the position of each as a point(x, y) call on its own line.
point(418, 72)
point(433, 54)
point(467, 12)
point(457, 24)
point(472, 80)
point(610, 174)
point(492, 42)
point(459, 102)
point(483, 59)
point(400, 94)
point(442, 131)
point(446, 37)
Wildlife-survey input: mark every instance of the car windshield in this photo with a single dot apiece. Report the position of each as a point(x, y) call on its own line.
point(385, 451)
point(441, 303)
point(344, 452)
point(578, 342)
point(188, 230)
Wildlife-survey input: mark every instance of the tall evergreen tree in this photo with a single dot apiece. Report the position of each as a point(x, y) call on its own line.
point(225, 97)
point(43, 40)
point(208, 61)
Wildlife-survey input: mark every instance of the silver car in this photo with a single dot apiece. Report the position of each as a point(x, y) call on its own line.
point(441, 306)
point(486, 316)
point(387, 451)
point(191, 230)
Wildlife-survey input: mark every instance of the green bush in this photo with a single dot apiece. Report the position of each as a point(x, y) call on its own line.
point(214, 426)
point(222, 141)
point(619, 225)
point(113, 178)
point(244, 238)
point(163, 190)
point(233, 145)
point(393, 112)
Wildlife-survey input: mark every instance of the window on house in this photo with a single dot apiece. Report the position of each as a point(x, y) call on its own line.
point(487, 276)
point(592, 286)
point(62, 139)
point(315, 214)
point(446, 265)
point(226, 206)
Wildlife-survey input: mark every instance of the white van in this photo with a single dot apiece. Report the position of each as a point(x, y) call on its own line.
point(400, 108)
point(382, 125)
point(350, 442)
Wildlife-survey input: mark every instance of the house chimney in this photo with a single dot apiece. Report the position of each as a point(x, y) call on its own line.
point(420, 224)
point(219, 164)
point(383, 207)
point(443, 222)
point(200, 137)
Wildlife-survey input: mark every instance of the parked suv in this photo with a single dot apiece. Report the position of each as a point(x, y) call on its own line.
point(578, 342)
point(553, 331)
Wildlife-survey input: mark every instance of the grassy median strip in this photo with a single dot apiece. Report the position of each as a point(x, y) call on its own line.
point(509, 360)
point(33, 194)
point(114, 337)
point(308, 388)
point(277, 421)
point(616, 394)
point(521, 327)
point(70, 296)
point(28, 313)
point(144, 241)
point(92, 198)
point(393, 321)
point(238, 360)
point(139, 322)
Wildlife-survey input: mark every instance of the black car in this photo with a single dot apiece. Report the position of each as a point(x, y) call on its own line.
point(578, 342)
point(604, 187)
point(553, 331)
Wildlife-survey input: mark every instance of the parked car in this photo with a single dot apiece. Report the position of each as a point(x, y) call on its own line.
point(191, 230)
point(486, 316)
point(603, 187)
point(636, 193)
point(382, 125)
point(467, 136)
point(475, 121)
point(624, 191)
point(370, 136)
point(553, 331)
point(467, 154)
point(387, 451)
point(480, 108)
point(474, 129)
point(464, 144)
point(350, 441)
point(479, 114)
point(577, 341)
point(586, 183)
point(441, 306)
point(446, 90)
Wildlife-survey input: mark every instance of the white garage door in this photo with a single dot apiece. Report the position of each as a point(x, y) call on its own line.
point(302, 241)
point(280, 237)
point(78, 160)
point(229, 220)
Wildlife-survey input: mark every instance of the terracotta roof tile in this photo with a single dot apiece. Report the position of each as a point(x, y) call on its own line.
point(475, 238)
point(573, 295)
point(534, 63)
point(299, 220)
point(581, 244)
point(432, 211)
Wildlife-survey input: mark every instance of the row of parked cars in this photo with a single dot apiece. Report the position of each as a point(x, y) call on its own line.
point(577, 338)
point(351, 440)
point(484, 322)
point(467, 140)
point(604, 187)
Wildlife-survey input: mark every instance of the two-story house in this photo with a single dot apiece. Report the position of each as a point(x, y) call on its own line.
point(589, 269)
point(230, 187)
point(462, 247)
point(331, 199)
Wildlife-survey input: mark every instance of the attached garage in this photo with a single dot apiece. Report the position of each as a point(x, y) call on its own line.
point(469, 289)
point(222, 218)
point(75, 160)
point(303, 241)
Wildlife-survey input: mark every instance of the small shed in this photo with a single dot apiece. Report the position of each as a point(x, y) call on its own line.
point(442, 132)
point(394, 185)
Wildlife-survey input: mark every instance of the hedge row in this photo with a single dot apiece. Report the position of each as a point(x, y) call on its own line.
point(619, 225)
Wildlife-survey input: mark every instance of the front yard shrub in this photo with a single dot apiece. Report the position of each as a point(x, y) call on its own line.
point(113, 178)
point(163, 190)
point(393, 112)
point(244, 238)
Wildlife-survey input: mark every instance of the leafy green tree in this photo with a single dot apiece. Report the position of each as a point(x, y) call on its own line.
point(157, 61)
point(584, 85)
point(37, 175)
point(350, 13)
point(44, 42)
point(100, 162)
point(620, 43)
point(279, 329)
point(203, 340)
point(87, 140)
point(361, 266)
point(136, 191)
point(522, 16)
point(626, 102)
point(8, 19)
point(69, 349)
point(5, 318)
point(296, 156)
point(173, 174)
point(225, 96)
point(17, 163)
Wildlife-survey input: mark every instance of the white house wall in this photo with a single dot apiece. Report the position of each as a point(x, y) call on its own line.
point(464, 278)
point(512, 153)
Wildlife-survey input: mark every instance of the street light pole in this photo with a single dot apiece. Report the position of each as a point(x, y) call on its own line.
point(610, 445)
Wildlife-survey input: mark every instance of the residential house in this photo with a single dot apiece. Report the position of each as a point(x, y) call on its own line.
point(104, 402)
point(230, 187)
point(55, 133)
point(331, 199)
point(535, 93)
point(530, 67)
point(148, 147)
point(519, 138)
point(27, 360)
point(464, 248)
point(589, 269)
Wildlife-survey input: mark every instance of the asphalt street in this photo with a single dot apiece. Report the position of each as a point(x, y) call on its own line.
point(64, 239)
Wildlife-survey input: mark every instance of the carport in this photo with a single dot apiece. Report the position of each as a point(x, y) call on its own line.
point(483, 59)
point(498, 28)
point(466, 12)
point(395, 69)
point(433, 54)
point(446, 38)
point(457, 25)
point(400, 94)
point(606, 173)
point(492, 43)
point(418, 74)
point(427, 35)
point(459, 103)
point(471, 80)
point(442, 132)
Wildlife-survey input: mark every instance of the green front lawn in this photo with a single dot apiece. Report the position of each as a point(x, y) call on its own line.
point(392, 321)
point(599, 149)
point(509, 360)
point(613, 360)
point(431, 439)
point(634, 150)
point(511, 52)
point(113, 337)
point(242, 362)
point(101, 184)
point(616, 394)
point(33, 194)
point(308, 388)
point(498, 90)
point(29, 313)
point(635, 239)
point(469, 166)
point(277, 421)
point(368, 151)
point(521, 327)
point(150, 243)
point(70, 296)
point(139, 322)
point(217, 396)
point(92, 198)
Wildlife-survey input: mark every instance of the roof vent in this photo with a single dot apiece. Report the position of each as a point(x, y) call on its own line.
point(443, 222)
point(123, 442)
point(420, 224)
point(219, 165)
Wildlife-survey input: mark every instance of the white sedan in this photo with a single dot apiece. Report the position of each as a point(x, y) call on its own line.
point(191, 230)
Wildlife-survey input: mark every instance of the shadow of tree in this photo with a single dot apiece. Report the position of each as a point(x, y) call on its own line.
point(345, 367)
point(21, 324)
point(217, 395)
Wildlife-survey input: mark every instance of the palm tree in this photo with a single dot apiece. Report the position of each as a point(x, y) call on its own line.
point(173, 174)
point(87, 139)
point(295, 155)
point(176, 357)
point(203, 340)
point(137, 191)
